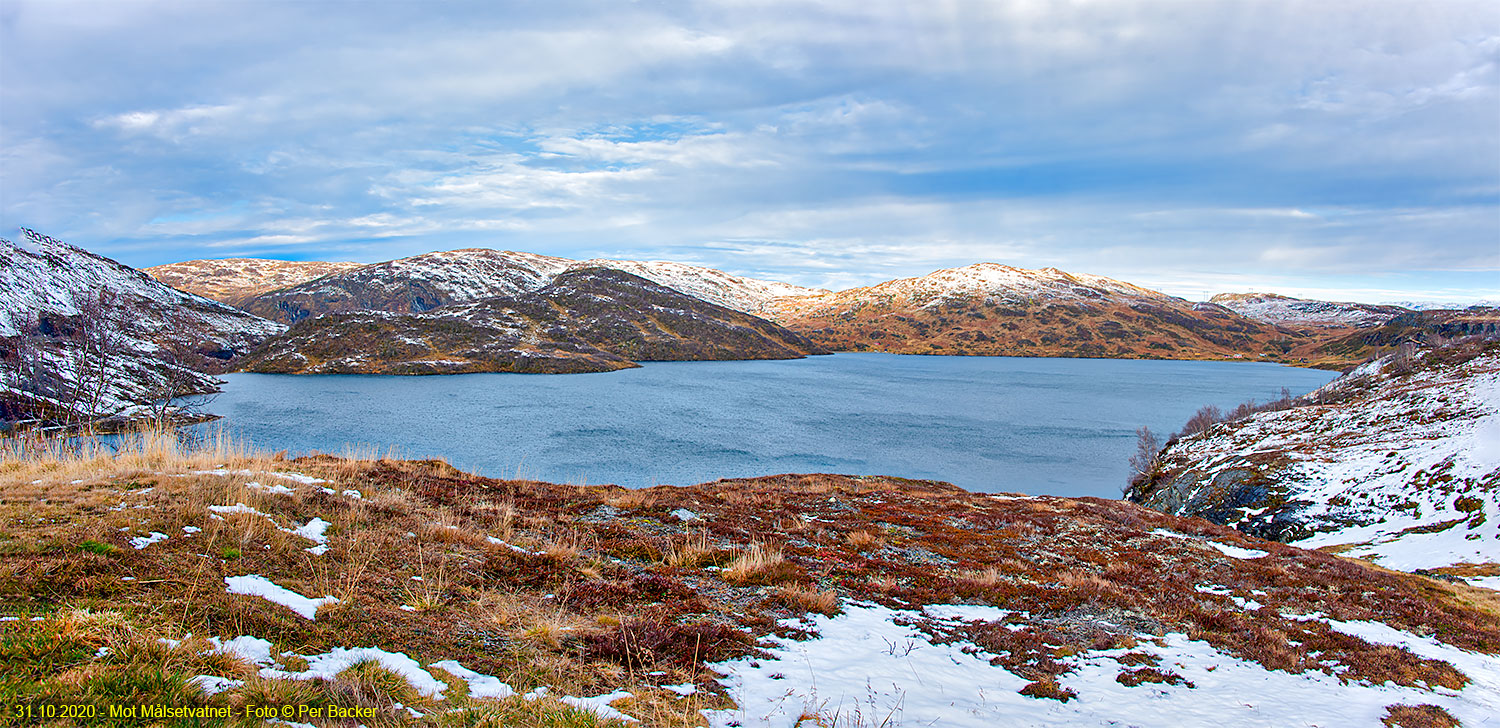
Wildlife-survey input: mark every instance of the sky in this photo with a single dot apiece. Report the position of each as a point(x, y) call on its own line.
point(1341, 150)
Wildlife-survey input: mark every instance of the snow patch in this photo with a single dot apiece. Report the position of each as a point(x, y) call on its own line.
point(335, 661)
point(480, 685)
point(140, 542)
point(260, 586)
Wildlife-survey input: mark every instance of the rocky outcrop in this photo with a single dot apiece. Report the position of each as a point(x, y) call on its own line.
point(1397, 461)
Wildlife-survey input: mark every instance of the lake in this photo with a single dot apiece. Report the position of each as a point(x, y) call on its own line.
point(988, 424)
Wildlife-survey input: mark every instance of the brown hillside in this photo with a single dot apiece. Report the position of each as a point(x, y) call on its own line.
point(236, 280)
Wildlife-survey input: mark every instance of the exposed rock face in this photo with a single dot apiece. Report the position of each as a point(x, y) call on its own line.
point(990, 309)
point(87, 337)
point(236, 280)
point(584, 320)
point(1398, 460)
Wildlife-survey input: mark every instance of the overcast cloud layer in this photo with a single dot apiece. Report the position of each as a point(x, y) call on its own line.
point(1348, 150)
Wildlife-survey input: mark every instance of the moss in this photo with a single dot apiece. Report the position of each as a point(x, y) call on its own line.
point(95, 547)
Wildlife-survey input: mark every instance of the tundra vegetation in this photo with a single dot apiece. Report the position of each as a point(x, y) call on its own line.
point(114, 563)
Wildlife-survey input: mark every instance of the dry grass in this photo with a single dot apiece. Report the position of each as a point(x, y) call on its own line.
point(1418, 716)
point(759, 564)
point(865, 540)
point(808, 599)
point(989, 577)
point(609, 599)
point(692, 551)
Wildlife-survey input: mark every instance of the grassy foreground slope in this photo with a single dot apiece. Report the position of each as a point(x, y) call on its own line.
point(422, 595)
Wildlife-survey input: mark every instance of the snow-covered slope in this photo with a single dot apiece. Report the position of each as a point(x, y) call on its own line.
point(1444, 306)
point(411, 285)
point(1285, 310)
point(750, 295)
point(76, 321)
point(992, 283)
point(232, 280)
point(1399, 463)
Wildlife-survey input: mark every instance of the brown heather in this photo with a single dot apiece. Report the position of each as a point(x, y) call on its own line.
point(595, 587)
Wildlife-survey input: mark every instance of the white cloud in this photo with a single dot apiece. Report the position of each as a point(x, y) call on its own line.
point(841, 142)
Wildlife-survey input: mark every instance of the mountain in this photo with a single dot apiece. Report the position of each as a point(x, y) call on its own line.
point(1397, 462)
point(992, 309)
point(584, 319)
point(411, 285)
point(750, 295)
point(1445, 306)
point(1287, 311)
point(87, 337)
point(233, 280)
point(424, 282)
point(408, 593)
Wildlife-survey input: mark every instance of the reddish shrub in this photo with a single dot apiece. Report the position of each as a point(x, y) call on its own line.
point(650, 643)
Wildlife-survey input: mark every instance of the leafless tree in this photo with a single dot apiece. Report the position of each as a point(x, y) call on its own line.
point(176, 377)
point(1144, 464)
point(94, 350)
point(1207, 416)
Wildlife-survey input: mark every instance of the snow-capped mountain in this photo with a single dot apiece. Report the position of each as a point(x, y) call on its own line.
point(1398, 461)
point(424, 282)
point(232, 280)
point(412, 285)
point(1444, 305)
point(1288, 311)
point(87, 336)
point(994, 309)
point(993, 283)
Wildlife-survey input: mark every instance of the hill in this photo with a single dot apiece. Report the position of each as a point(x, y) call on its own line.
point(86, 337)
point(234, 280)
point(1431, 327)
point(1287, 311)
point(584, 320)
point(424, 282)
point(1397, 462)
point(409, 593)
point(991, 309)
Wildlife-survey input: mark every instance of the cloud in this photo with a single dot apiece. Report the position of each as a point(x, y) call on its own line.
point(830, 143)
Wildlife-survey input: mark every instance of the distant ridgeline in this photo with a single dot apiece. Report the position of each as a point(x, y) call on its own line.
point(86, 337)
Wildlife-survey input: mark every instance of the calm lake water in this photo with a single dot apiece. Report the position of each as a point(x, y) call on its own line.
point(989, 424)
